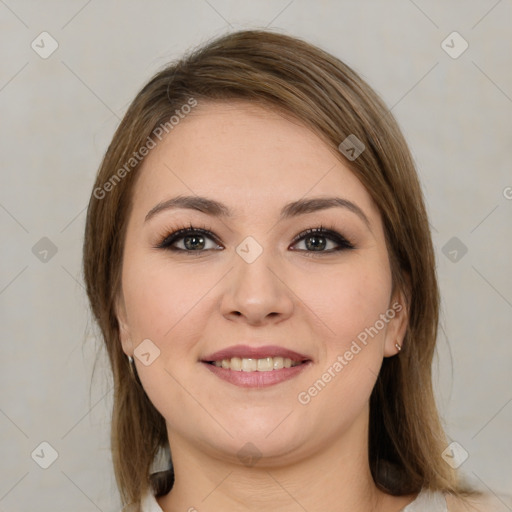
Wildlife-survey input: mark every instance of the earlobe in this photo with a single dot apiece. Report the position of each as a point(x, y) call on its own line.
point(397, 326)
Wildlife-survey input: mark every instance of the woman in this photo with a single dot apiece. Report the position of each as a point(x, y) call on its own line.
point(258, 257)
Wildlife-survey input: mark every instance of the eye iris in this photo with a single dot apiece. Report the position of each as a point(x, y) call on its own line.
point(317, 244)
point(191, 240)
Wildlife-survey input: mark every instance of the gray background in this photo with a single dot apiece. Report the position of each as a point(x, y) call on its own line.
point(58, 115)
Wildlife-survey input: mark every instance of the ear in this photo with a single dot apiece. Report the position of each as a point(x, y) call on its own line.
point(397, 327)
point(124, 330)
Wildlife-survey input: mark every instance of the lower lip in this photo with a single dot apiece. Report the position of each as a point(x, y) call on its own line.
point(257, 379)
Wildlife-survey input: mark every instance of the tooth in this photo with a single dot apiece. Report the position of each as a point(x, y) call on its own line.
point(278, 363)
point(236, 364)
point(249, 365)
point(265, 365)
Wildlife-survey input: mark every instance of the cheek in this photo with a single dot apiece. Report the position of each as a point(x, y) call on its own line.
point(171, 306)
point(166, 304)
point(160, 299)
point(348, 301)
point(351, 307)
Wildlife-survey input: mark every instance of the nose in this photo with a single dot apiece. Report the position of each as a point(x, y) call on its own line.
point(258, 292)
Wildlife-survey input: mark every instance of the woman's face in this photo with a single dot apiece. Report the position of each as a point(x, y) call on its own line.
point(253, 290)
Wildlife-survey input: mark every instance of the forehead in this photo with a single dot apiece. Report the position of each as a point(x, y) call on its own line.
point(247, 156)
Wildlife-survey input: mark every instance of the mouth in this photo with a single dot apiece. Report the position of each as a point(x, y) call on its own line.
point(256, 367)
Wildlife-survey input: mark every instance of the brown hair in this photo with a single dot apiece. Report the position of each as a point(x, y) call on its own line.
point(405, 435)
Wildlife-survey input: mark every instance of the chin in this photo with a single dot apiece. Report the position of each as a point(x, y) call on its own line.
point(260, 452)
point(267, 437)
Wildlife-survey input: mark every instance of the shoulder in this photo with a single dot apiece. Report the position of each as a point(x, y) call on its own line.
point(479, 503)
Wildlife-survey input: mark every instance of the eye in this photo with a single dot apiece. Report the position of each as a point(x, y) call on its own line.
point(191, 240)
point(317, 240)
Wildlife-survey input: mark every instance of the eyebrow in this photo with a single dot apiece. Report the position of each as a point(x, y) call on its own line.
point(293, 209)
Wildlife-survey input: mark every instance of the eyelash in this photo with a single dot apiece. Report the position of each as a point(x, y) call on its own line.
point(168, 239)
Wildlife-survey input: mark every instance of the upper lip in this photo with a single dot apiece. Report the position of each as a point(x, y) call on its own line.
point(248, 352)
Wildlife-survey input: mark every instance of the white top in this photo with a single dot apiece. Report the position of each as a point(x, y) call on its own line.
point(426, 501)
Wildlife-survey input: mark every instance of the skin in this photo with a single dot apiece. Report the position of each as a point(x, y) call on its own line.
point(255, 161)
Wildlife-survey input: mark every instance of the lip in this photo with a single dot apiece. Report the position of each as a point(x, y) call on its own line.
point(257, 379)
point(247, 352)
